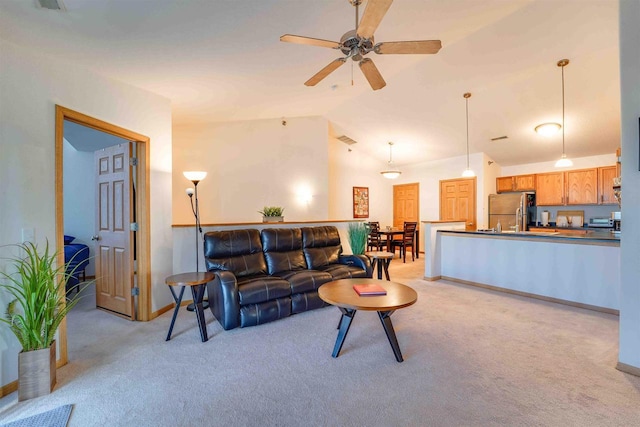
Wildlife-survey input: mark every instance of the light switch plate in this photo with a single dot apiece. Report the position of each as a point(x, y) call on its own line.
point(28, 235)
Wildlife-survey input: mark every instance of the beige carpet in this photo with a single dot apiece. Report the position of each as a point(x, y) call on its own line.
point(472, 358)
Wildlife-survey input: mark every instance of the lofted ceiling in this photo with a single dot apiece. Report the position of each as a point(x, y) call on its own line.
point(219, 60)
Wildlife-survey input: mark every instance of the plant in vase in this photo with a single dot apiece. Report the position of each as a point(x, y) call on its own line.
point(272, 214)
point(36, 308)
point(358, 233)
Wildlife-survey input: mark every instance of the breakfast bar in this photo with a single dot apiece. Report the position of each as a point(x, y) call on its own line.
point(581, 270)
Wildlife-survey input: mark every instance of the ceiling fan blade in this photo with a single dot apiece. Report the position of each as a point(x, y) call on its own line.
point(317, 78)
point(290, 38)
point(372, 74)
point(410, 47)
point(373, 14)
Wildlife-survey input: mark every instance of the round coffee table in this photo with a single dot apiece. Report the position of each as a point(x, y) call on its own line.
point(197, 282)
point(341, 294)
point(382, 259)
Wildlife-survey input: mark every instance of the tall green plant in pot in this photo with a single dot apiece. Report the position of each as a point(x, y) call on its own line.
point(37, 305)
point(358, 233)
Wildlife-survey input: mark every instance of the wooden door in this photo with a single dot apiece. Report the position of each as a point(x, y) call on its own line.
point(582, 187)
point(406, 204)
point(458, 201)
point(114, 278)
point(605, 184)
point(550, 189)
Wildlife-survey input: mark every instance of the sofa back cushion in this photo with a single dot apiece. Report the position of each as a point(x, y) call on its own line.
point(283, 249)
point(238, 251)
point(321, 246)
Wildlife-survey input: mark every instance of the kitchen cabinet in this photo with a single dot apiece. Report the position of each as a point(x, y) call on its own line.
point(550, 189)
point(605, 184)
point(515, 183)
point(582, 187)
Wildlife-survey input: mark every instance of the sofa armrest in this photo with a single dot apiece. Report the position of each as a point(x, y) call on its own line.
point(224, 300)
point(360, 261)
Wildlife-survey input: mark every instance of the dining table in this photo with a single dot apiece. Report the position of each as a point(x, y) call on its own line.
point(390, 233)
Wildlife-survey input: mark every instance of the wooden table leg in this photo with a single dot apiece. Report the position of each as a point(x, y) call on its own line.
point(345, 324)
point(391, 334)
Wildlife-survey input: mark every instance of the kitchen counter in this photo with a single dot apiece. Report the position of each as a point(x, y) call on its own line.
point(570, 236)
point(576, 269)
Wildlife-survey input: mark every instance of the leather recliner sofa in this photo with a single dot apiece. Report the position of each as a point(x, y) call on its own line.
point(264, 276)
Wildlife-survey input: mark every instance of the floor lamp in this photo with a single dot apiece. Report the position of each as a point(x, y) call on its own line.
point(195, 177)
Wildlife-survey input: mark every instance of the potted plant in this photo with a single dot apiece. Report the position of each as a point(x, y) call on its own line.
point(358, 233)
point(34, 313)
point(272, 214)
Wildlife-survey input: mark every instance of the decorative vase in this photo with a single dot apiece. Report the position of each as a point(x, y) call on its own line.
point(36, 372)
point(272, 219)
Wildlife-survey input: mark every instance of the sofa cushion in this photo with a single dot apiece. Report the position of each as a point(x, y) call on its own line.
point(283, 249)
point(305, 280)
point(341, 271)
point(257, 314)
point(256, 289)
point(321, 246)
point(238, 251)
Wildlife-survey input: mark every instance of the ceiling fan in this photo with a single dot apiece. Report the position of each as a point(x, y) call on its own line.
point(355, 44)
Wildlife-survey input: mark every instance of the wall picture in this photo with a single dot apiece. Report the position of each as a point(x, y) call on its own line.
point(361, 202)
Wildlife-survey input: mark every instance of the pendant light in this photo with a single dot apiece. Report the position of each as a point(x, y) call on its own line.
point(563, 162)
point(468, 173)
point(392, 172)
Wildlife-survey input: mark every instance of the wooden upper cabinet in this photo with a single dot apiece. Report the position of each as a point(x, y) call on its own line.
point(524, 182)
point(582, 187)
point(605, 184)
point(505, 184)
point(550, 189)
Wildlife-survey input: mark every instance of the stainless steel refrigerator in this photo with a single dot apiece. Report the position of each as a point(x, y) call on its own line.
point(511, 209)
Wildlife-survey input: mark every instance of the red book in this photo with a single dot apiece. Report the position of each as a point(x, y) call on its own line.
point(369, 289)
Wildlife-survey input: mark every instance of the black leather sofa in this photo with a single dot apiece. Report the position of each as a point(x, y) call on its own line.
point(264, 276)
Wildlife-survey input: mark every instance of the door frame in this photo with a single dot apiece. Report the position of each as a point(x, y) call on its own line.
point(142, 205)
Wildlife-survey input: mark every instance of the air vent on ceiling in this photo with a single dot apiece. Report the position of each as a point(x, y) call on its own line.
point(499, 138)
point(347, 140)
point(51, 4)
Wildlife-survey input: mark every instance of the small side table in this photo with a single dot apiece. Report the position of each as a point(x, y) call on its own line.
point(197, 282)
point(382, 259)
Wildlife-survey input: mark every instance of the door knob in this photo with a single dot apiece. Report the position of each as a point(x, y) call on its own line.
point(96, 237)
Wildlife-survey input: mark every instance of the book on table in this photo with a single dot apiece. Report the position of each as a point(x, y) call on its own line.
point(369, 289)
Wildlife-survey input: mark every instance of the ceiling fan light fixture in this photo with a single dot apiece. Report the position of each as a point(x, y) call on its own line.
point(563, 162)
point(391, 173)
point(467, 173)
point(548, 129)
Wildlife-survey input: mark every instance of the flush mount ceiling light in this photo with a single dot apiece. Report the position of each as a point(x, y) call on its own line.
point(563, 162)
point(392, 172)
point(548, 129)
point(467, 173)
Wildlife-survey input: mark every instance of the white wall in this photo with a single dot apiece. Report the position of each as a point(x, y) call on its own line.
point(348, 169)
point(30, 87)
point(79, 194)
point(252, 164)
point(630, 239)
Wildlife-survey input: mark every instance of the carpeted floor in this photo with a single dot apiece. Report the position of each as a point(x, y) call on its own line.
point(473, 357)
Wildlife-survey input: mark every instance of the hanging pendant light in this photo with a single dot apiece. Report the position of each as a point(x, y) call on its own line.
point(392, 172)
point(563, 162)
point(468, 173)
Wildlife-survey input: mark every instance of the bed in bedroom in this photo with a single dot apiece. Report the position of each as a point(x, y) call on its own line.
point(76, 256)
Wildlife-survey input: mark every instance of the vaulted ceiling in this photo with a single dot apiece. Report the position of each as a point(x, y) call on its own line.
point(222, 60)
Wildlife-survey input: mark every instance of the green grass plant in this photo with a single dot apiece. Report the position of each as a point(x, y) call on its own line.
point(271, 211)
point(358, 233)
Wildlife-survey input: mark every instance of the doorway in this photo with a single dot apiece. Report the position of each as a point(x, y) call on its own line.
point(458, 201)
point(139, 203)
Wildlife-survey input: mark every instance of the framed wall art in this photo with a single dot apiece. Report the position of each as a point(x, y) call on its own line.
point(361, 202)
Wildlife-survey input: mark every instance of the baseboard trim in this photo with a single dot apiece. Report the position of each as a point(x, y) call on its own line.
point(164, 309)
point(628, 369)
point(9, 388)
point(432, 279)
point(535, 296)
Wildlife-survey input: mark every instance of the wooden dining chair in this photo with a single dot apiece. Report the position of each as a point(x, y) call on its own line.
point(374, 239)
point(408, 240)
